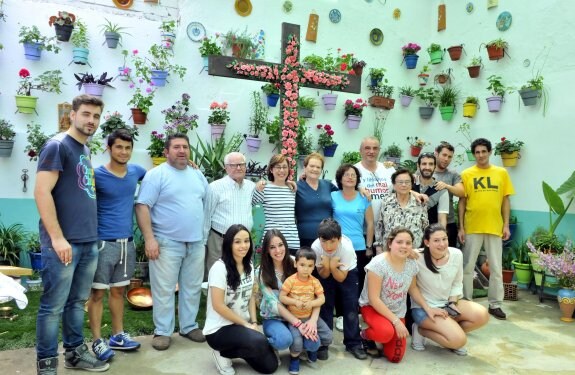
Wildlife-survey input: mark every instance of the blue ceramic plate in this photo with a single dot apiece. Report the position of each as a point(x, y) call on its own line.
point(335, 16)
point(196, 31)
point(376, 37)
point(504, 21)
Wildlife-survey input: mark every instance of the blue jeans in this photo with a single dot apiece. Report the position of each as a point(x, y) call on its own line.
point(66, 289)
point(278, 333)
point(181, 263)
point(300, 343)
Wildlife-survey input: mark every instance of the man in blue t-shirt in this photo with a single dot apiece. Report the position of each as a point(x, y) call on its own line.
point(66, 201)
point(116, 184)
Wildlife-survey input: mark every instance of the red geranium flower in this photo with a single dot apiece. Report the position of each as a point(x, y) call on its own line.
point(503, 139)
point(24, 73)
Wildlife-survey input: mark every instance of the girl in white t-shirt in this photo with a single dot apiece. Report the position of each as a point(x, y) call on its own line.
point(231, 327)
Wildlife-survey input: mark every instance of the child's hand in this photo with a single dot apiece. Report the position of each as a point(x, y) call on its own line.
point(299, 304)
point(324, 261)
point(306, 305)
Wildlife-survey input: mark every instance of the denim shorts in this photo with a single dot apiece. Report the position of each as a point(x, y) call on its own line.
point(115, 267)
point(418, 314)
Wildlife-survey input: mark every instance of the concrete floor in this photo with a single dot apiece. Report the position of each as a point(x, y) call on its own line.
point(532, 341)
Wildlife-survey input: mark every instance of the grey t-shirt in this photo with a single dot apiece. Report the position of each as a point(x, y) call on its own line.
point(452, 178)
point(74, 193)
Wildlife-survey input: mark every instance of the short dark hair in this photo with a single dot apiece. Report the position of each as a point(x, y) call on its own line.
point(341, 171)
point(275, 160)
point(426, 155)
point(481, 142)
point(401, 171)
point(122, 134)
point(444, 144)
point(329, 229)
point(87, 100)
point(175, 136)
point(305, 252)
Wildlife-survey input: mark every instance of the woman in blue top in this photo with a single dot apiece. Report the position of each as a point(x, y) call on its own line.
point(353, 212)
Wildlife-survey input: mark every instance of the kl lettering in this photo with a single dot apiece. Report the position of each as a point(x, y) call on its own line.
point(479, 183)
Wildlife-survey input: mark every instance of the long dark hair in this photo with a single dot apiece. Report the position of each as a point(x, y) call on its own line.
point(426, 252)
point(267, 271)
point(234, 277)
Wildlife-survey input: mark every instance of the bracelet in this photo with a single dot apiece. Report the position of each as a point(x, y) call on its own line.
point(296, 324)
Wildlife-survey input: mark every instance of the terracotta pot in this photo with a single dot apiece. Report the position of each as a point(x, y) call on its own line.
point(381, 102)
point(415, 151)
point(455, 52)
point(358, 70)
point(495, 53)
point(139, 116)
point(474, 71)
point(507, 276)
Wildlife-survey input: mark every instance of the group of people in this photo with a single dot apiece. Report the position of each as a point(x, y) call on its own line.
point(343, 247)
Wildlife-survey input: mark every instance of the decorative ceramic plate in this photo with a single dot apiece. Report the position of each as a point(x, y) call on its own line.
point(123, 4)
point(504, 21)
point(335, 16)
point(196, 31)
point(376, 37)
point(287, 6)
point(469, 7)
point(243, 7)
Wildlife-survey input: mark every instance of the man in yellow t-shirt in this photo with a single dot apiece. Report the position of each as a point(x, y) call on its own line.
point(484, 221)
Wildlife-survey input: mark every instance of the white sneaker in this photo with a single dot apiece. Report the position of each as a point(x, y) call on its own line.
point(461, 351)
point(223, 364)
point(417, 340)
point(339, 323)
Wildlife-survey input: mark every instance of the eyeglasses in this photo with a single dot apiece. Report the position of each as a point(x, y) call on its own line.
point(404, 183)
point(239, 165)
point(281, 167)
point(427, 155)
point(350, 175)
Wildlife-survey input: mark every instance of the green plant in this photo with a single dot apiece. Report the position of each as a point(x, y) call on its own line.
point(407, 91)
point(259, 115)
point(210, 158)
point(160, 60)
point(520, 252)
point(507, 146)
point(271, 88)
point(36, 140)
point(49, 81)
point(351, 157)
point(11, 239)
point(425, 69)
point(496, 86)
point(84, 78)
point(410, 165)
point(168, 26)
point(555, 203)
point(498, 43)
point(393, 151)
point(142, 99)
point(448, 96)
point(114, 122)
point(307, 102)
point(36, 275)
point(80, 37)
point(545, 241)
point(244, 44)
point(63, 18)
point(157, 144)
point(177, 117)
point(110, 27)
point(382, 89)
point(274, 130)
point(210, 47)
point(354, 108)
point(32, 35)
point(94, 145)
point(7, 132)
point(534, 83)
point(475, 61)
point(314, 62)
point(434, 47)
point(507, 259)
point(429, 96)
point(376, 73)
point(303, 139)
point(472, 100)
point(417, 142)
point(326, 137)
point(465, 130)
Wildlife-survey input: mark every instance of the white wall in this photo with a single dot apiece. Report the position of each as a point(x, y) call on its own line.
point(540, 32)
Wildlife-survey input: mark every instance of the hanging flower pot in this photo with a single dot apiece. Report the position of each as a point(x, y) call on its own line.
point(474, 71)
point(375, 81)
point(329, 101)
point(566, 299)
point(425, 112)
point(494, 103)
point(470, 156)
point(159, 77)
point(495, 53)
point(139, 116)
point(509, 159)
point(94, 89)
point(253, 143)
point(381, 102)
point(415, 151)
point(441, 78)
point(353, 121)
point(237, 50)
point(329, 151)
point(395, 160)
point(447, 112)
point(112, 39)
point(469, 110)
point(80, 55)
point(455, 52)
point(305, 113)
point(63, 32)
point(423, 79)
point(124, 73)
point(410, 61)
point(405, 100)
point(529, 96)
point(33, 51)
point(158, 160)
point(6, 148)
point(169, 38)
point(358, 70)
point(26, 104)
point(272, 99)
point(436, 57)
point(217, 130)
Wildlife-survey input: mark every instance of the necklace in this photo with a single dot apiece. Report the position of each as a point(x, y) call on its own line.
point(444, 255)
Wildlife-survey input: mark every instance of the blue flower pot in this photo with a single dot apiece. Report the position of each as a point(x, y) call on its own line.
point(329, 151)
point(159, 77)
point(35, 260)
point(411, 61)
point(33, 51)
point(375, 81)
point(80, 55)
point(273, 99)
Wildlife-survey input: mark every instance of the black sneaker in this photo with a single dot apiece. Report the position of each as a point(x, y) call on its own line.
point(322, 353)
point(497, 313)
point(47, 366)
point(357, 352)
point(81, 358)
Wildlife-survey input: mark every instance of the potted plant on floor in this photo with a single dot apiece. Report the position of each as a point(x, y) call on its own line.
point(521, 262)
point(11, 242)
point(326, 141)
point(416, 144)
point(498, 90)
point(376, 75)
point(406, 94)
point(34, 43)
point(93, 86)
point(455, 52)
point(393, 153)
point(410, 56)
point(272, 92)
point(470, 106)
point(448, 96)
point(381, 97)
point(113, 121)
point(509, 151)
point(507, 266)
point(34, 251)
point(306, 106)
point(353, 112)
point(36, 139)
point(241, 45)
point(474, 67)
point(435, 53)
point(81, 41)
point(496, 49)
point(7, 135)
point(218, 118)
point(258, 121)
point(49, 81)
point(465, 130)
point(63, 24)
point(34, 281)
point(113, 33)
point(423, 75)
point(429, 98)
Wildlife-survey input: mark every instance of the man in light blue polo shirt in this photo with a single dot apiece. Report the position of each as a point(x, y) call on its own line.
point(170, 213)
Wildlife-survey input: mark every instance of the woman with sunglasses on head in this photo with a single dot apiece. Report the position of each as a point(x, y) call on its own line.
point(440, 280)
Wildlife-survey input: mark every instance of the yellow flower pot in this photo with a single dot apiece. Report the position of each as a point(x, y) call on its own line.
point(509, 159)
point(158, 160)
point(469, 109)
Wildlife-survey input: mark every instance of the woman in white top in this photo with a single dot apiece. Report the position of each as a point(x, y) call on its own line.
point(440, 280)
point(231, 327)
